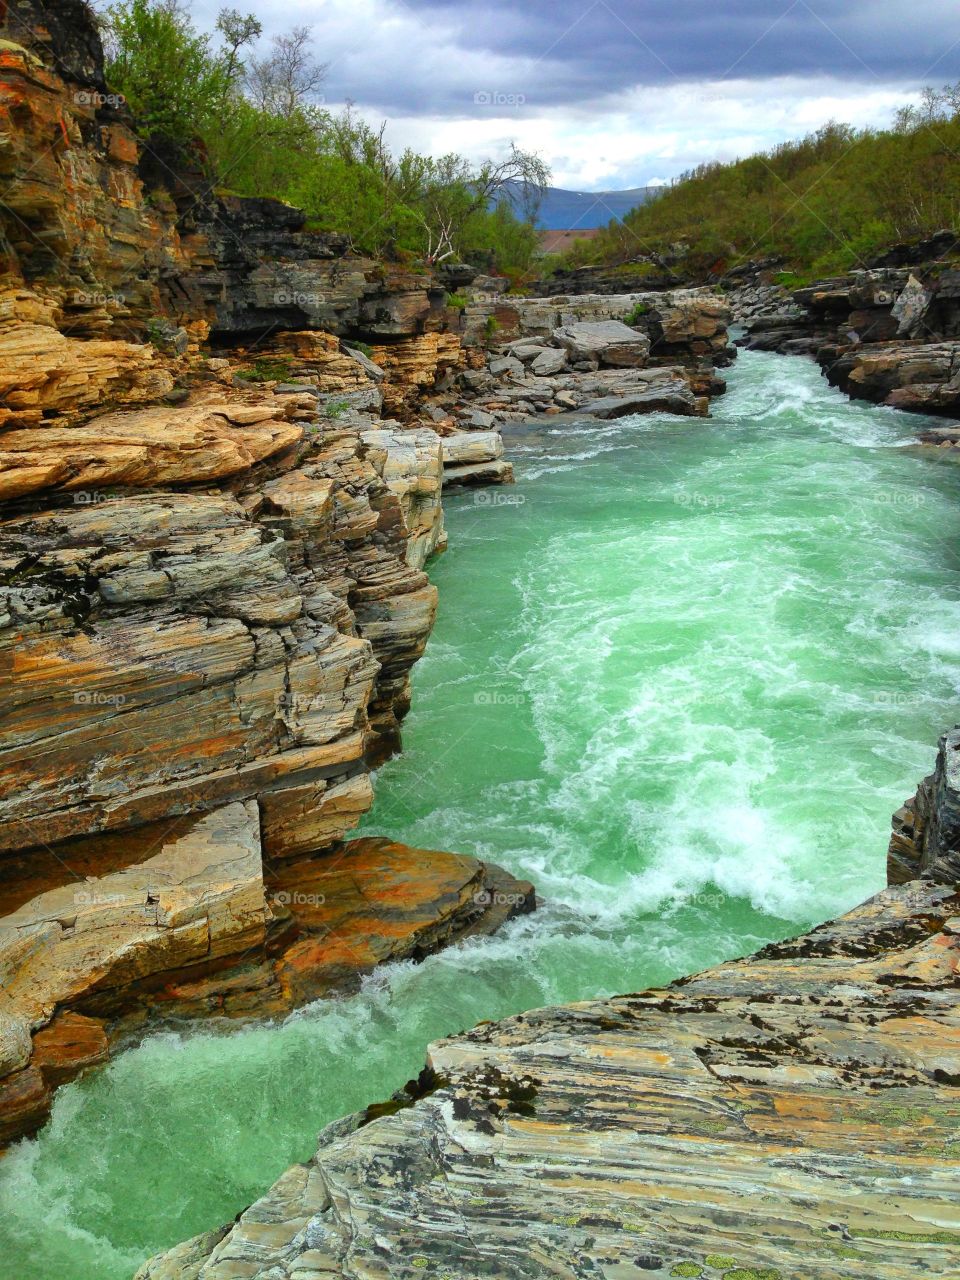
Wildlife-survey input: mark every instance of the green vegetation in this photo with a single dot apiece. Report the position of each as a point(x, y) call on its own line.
point(456, 300)
point(267, 370)
point(826, 203)
point(256, 125)
point(636, 314)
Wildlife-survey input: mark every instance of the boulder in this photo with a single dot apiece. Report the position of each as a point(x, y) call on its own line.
point(478, 473)
point(506, 366)
point(549, 363)
point(472, 446)
point(670, 397)
point(609, 341)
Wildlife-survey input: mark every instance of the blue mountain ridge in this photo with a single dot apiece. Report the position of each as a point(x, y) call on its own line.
point(563, 210)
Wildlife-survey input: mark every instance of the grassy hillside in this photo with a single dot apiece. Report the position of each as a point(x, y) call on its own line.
point(826, 203)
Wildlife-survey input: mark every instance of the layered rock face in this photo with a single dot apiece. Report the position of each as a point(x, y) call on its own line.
point(890, 335)
point(191, 919)
point(226, 627)
point(788, 1115)
point(926, 831)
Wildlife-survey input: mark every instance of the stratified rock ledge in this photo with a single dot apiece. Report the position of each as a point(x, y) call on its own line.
point(791, 1116)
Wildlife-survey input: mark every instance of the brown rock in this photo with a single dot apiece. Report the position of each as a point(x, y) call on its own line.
point(68, 1045)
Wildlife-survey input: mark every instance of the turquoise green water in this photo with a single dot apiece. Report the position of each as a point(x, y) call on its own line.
point(682, 675)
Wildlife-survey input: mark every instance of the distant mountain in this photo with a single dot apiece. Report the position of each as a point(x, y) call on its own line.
point(564, 210)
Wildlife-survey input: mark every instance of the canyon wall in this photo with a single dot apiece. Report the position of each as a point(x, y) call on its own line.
point(211, 586)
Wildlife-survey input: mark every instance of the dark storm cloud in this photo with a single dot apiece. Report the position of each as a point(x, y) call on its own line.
point(584, 48)
point(416, 57)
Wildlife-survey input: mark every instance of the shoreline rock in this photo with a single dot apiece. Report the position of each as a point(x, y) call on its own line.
point(207, 928)
point(889, 335)
point(788, 1114)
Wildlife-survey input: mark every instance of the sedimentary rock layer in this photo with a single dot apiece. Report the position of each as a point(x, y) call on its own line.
point(926, 831)
point(793, 1114)
point(189, 920)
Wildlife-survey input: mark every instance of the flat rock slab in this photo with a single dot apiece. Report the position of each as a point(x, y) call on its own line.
point(377, 901)
point(792, 1116)
point(143, 447)
point(672, 397)
point(467, 447)
point(609, 341)
point(479, 473)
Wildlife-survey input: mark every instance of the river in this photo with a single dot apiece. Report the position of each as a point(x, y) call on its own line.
point(682, 674)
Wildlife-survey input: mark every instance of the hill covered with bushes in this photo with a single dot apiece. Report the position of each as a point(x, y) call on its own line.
point(825, 204)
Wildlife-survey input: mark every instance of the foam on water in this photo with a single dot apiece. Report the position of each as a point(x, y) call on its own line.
point(682, 685)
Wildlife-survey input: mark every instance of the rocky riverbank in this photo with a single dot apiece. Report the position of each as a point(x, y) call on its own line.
point(224, 440)
point(790, 1114)
point(887, 334)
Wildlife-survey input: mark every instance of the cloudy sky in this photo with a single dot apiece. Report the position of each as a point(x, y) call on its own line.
point(619, 93)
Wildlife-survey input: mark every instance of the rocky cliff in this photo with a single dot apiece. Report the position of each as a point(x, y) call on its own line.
point(211, 587)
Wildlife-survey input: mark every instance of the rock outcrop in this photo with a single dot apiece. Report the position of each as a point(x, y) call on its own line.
point(926, 831)
point(792, 1114)
point(211, 587)
point(682, 323)
point(889, 334)
point(191, 920)
point(604, 356)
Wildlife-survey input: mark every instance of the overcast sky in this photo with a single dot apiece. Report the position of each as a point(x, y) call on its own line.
point(619, 93)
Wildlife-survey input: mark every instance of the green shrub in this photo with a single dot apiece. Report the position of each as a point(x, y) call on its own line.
point(267, 369)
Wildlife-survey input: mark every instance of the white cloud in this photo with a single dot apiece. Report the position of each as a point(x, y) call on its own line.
point(648, 136)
